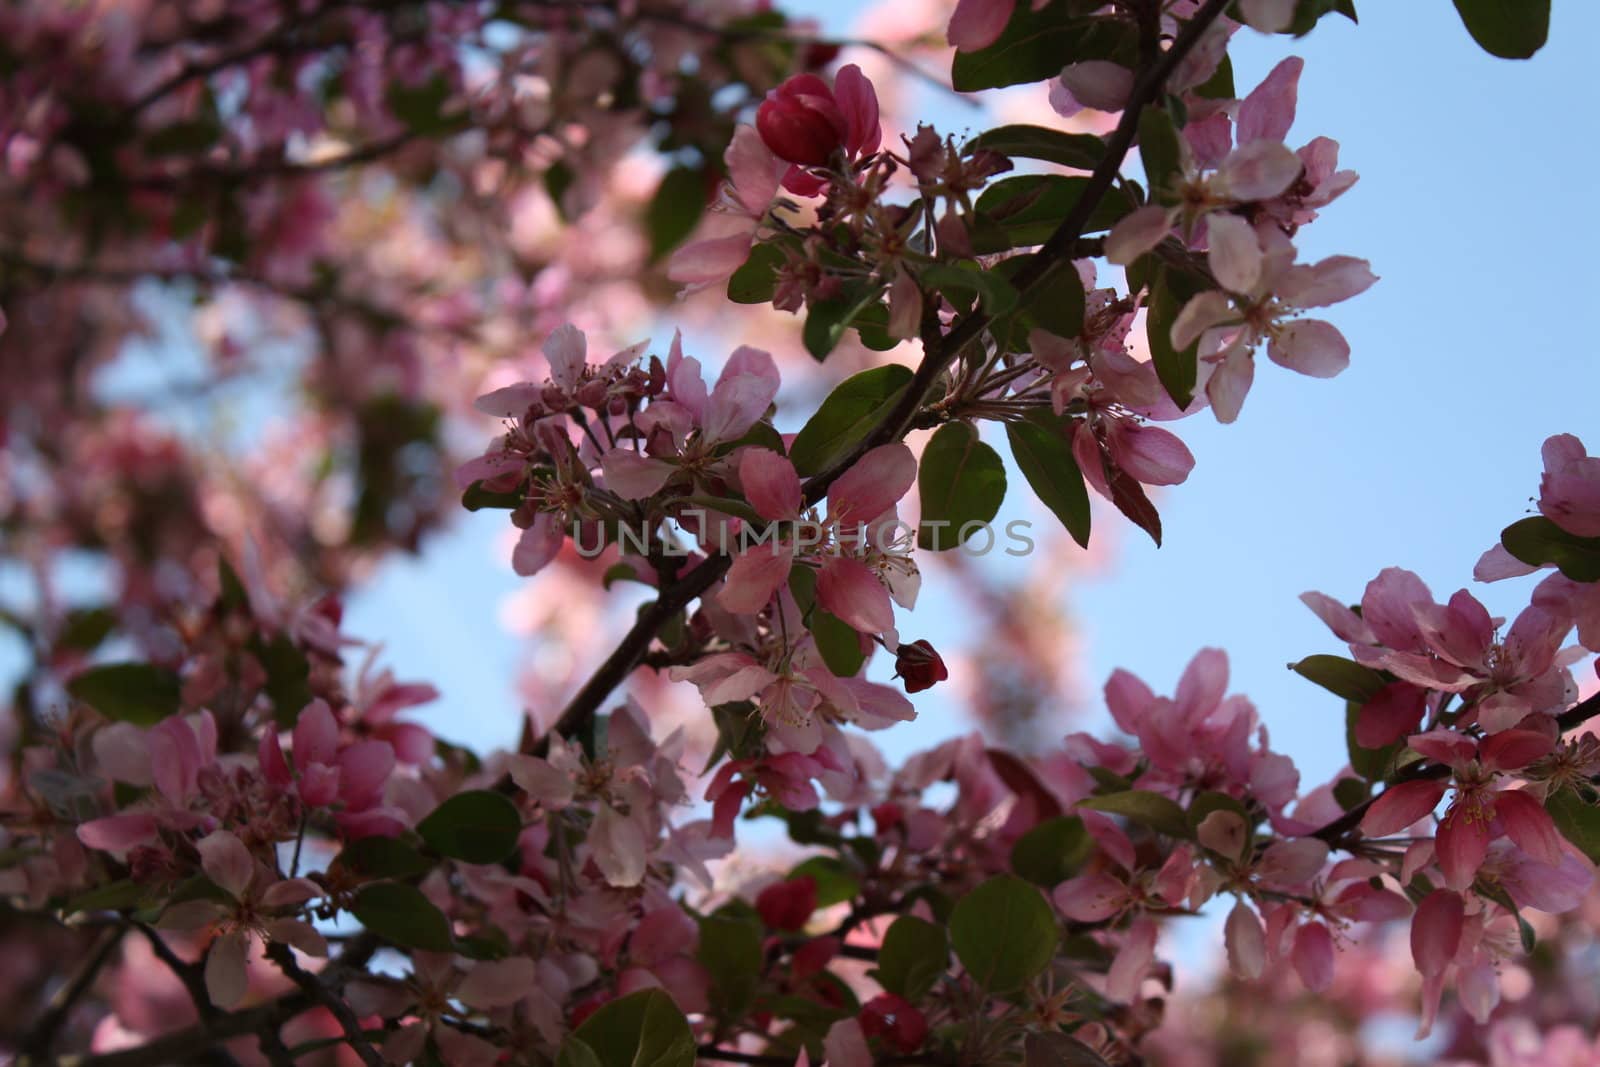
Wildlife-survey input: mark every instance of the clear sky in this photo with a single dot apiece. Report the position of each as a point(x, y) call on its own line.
point(1473, 347)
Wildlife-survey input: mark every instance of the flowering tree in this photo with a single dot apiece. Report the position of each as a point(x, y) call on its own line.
point(224, 839)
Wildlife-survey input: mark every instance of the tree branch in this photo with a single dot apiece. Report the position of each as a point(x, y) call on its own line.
point(43, 1035)
point(314, 988)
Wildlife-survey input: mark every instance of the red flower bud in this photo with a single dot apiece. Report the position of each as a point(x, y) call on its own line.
point(788, 905)
point(919, 666)
point(801, 121)
point(901, 1026)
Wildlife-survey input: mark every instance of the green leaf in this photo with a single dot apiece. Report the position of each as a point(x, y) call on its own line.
point(420, 108)
point(1206, 803)
point(757, 280)
point(400, 913)
point(383, 857)
point(476, 498)
point(1044, 456)
point(846, 416)
point(1578, 821)
point(1177, 368)
point(1081, 150)
point(962, 482)
point(188, 137)
point(288, 677)
point(478, 826)
point(1037, 44)
point(1510, 29)
point(730, 951)
point(1161, 153)
point(1052, 851)
point(1220, 85)
point(1143, 807)
point(575, 1053)
point(1341, 677)
point(643, 1029)
point(1537, 541)
point(113, 896)
point(827, 320)
point(1027, 208)
point(85, 628)
point(990, 286)
point(140, 693)
point(1056, 303)
point(835, 882)
point(678, 203)
point(838, 642)
point(913, 957)
point(1004, 933)
point(1052, 1048)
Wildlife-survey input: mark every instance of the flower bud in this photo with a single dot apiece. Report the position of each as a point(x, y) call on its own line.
point(788, 905)
point(894, 1020)
point(801, 122)
point(919, 666)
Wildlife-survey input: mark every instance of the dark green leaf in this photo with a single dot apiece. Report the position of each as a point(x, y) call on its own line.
point(1052, 852)
point(1044, 456)
point(1220, 85)
point(913, 957)
point(476, 498)
point(835, 882)
point(478, 826)
point(288, 677)
point(383, 857)
point(643, 1029)
point(1143, 807)
point(1052, 1048)
point(1160, 151)
point(139, 693)
point(757, 280)
point(1510, 29)
point(1027, 208)
point(85, 628)
point(1578, 820)
point(421, 107)
point(846, 416)
point(679, 202)
point(827, 320)
point(1081, 150)
point(1037, 44)
point(1206, 803)
point(730, 951)
point(1341, 677)
point(575, 1053)
point(838, 642)
point(962, 482)
point(186, 138)
point(1177, 368)
point(401, 914)
point(1004, 933)
point(990, 286)
point(1537, 541)
point(113, 896)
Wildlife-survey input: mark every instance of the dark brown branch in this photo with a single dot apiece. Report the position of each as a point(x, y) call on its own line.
point(313, 987)
point(42, 1038)
point(1056, 250)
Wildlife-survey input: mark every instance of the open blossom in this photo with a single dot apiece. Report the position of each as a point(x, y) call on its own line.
point(722, 242)
point(1481, 810)
point(330, 772)
point(1456, 647)
point(856, 577)
point(1569, 492)
point(259, 906)
point(685, 431)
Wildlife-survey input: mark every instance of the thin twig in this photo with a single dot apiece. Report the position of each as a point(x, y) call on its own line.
point(313, 986)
